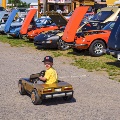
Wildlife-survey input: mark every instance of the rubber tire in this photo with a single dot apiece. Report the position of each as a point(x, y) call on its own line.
point(20, 36)
point(22, 90)
point(37, 99)
point(92, 47)
point(68, 98)
point(62, 46)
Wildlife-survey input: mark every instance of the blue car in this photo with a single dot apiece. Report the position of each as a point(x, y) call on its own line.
point(114, 41)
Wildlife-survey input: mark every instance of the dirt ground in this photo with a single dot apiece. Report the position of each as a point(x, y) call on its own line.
point(96, 97)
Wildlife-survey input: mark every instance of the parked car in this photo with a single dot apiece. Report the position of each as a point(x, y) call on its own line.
point(3, 16)
point(39, 92)
point(29, 22)
point(93, 40)
point(49, 39)
point(16, 23)
point(2, 9)
point(9, 20)
point(14, 29)
point(99, 20)
point(43, 24)
point(114, 41)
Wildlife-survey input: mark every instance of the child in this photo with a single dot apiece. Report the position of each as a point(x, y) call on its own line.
point(50, 74)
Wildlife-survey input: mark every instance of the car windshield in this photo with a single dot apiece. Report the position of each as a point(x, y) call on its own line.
point(109, 26)
point(90, 10)
point(19, 19)
point(22, 9)
point(102, 16)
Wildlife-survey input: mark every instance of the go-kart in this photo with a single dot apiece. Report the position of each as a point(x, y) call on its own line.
point(38, 92)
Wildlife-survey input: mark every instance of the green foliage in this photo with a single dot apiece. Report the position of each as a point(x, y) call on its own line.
point(18, 3)
point(15, 42)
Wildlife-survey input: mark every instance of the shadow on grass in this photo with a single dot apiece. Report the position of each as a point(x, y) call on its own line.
point(116, 63)
point(79, 52)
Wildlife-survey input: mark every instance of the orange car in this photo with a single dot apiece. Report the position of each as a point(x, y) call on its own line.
point(47, 25)
point(94, 40)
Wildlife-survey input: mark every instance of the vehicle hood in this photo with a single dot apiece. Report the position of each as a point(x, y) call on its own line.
point(57, 18)
point(9, 20)
point(73, 23)
point(27, 21)
point(2, 13)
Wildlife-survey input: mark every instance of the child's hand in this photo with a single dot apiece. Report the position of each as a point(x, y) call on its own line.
point(42, 78)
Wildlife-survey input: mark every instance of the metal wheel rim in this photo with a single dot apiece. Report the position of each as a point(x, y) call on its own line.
point(98, 48)
point(62, 44)
point(20, 87)
point(33, 97)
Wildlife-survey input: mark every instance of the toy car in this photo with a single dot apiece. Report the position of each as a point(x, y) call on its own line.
point(39, 92)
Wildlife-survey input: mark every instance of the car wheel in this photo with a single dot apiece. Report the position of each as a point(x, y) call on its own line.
point(35, 98)
point(62, 45)
point(96, 48)
point(20, 36)
point(22, 90)
point(67, 98)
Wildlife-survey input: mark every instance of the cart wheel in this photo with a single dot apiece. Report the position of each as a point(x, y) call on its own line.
point(35, 98)
point(67, 98)
point(22, 90)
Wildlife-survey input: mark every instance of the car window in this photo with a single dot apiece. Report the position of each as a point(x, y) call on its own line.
point(102, 16)
point(2, 9)
point(40, 20)
point(109, 26)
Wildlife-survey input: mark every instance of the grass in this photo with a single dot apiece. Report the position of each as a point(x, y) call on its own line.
point(15, 41)
point(105, 63)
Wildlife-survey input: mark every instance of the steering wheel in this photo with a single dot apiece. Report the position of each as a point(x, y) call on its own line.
point(42, 73)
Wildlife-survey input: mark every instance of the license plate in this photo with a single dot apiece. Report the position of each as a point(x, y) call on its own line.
point(118, 56)
point(58, 90)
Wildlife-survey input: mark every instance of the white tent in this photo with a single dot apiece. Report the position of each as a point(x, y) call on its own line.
point(117, 2)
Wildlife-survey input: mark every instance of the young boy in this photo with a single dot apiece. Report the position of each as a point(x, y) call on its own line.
point(50, 74)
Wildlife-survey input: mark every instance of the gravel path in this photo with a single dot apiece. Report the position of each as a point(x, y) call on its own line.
point(95, 96)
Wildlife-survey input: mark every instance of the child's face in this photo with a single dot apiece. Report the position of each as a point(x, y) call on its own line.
point(48, 64)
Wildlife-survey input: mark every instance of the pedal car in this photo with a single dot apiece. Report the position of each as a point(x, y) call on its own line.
point(38, 92)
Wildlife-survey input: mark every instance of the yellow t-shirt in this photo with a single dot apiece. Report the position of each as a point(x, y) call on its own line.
point(51, 76)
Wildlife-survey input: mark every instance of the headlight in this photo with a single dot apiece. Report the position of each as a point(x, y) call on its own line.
point(49, 41)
